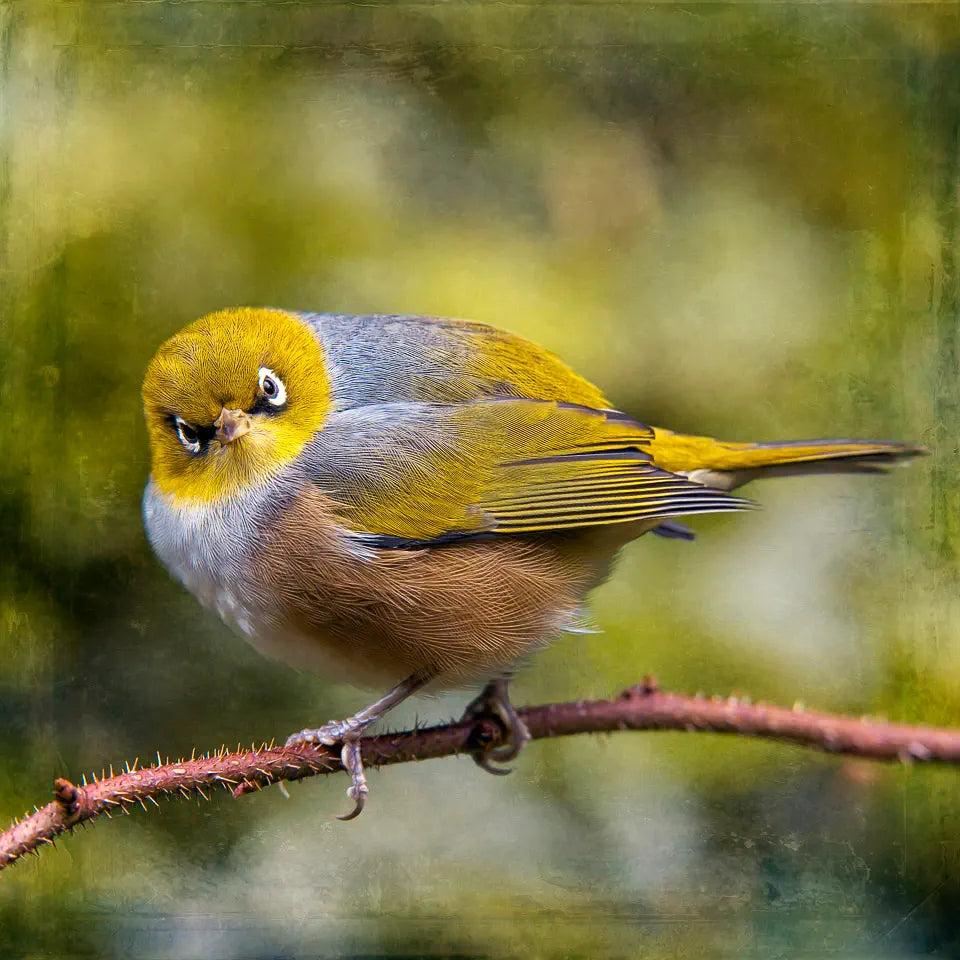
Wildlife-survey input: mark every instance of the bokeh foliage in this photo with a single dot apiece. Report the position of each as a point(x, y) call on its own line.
point(740, 219)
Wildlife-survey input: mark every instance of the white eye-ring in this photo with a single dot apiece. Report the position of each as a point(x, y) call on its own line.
point(187, 435)
point(272, 388)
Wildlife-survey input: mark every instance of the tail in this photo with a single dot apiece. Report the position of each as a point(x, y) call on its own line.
point(726, 466)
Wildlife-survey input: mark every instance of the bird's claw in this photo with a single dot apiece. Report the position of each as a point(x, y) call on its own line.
point(484, 760)
point(494, 700)
point(358, 789)
point(329, 734)
point(346, 733)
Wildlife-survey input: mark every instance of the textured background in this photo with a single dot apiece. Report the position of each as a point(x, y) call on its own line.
point(739, 219)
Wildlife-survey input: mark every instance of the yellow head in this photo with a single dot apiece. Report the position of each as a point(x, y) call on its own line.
point(230, 400)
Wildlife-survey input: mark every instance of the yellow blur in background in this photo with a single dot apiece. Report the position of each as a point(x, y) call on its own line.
point(739, 220)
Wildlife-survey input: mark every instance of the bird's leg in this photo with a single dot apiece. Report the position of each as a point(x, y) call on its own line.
point(348, 733)
point(495, 699)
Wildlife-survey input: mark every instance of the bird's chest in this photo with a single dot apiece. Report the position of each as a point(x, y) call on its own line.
point(206, 549)
point(216, 553)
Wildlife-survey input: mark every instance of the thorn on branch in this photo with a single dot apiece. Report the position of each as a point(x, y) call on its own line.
point(642, 707)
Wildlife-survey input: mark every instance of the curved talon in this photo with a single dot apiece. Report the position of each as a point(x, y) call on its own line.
point(348, 735)
point(329, 734)
point(483, 760)
point(298, 739)
point(357, 808)
point(348, 732)
point(495, 700)
point(511, 747)
point(358, 789)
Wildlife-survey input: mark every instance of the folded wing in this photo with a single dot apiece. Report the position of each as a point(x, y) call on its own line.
point(408, 475)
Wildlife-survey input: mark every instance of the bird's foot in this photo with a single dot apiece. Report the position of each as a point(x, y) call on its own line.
point(495, 700)
point(347, 733)
point(329, 734)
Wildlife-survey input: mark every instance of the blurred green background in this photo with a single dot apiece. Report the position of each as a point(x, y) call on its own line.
point(739, 219)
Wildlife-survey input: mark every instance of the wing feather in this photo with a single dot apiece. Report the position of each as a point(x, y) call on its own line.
point(418, 474)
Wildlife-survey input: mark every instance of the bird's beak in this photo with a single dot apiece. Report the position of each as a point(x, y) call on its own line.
point(231, 425)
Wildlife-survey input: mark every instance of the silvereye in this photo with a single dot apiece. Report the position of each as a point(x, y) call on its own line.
point(409, 502)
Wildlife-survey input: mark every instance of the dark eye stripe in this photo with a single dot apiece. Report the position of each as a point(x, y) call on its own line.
point(191, 432)
point(263, 405)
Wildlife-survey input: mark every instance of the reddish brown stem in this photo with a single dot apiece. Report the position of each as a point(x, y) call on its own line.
point(640, 708)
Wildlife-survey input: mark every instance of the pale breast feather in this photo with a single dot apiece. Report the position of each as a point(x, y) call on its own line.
point(206, 547)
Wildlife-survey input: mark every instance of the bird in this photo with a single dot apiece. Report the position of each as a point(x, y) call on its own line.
point(413, 503)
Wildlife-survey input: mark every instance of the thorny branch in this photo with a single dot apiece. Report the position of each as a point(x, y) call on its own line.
point(644, 707)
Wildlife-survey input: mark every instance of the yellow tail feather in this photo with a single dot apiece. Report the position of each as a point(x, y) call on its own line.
point(725, 466)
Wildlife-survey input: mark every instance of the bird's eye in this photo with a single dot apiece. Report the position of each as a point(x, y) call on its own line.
point(272, 388)
point(187, 435)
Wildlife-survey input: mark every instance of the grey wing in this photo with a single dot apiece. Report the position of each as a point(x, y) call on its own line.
point(404, 358)
point(407, 474)
point(387, 360)
point(384, 358)
point(378, 464)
